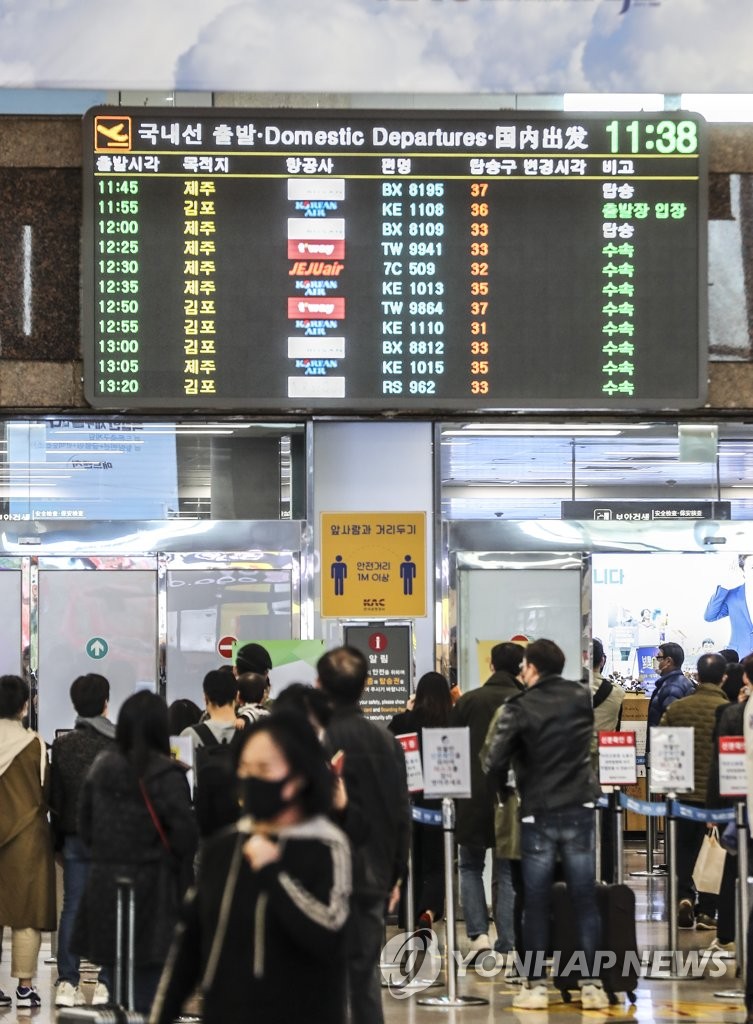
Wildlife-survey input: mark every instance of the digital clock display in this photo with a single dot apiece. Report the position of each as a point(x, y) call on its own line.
point(344, 262)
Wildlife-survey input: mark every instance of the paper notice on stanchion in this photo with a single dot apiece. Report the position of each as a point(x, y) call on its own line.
point(617, 759)
point(732, 775)
point(447, 762)
point(672, 759)
point(409, 742)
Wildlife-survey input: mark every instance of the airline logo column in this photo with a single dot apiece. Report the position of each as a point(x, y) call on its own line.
point(316, 310)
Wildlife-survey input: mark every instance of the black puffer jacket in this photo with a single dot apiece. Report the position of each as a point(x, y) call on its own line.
point(375, 779)
point(544, 734)
point(115, 824)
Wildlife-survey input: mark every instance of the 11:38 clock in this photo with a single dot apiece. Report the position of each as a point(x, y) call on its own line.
point(644, 136)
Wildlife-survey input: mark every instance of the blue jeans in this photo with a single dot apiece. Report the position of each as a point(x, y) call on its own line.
point(75, 874)
point(569, 833)
point(473, 898)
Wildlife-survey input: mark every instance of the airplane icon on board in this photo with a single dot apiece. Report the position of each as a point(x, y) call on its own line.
point(112, 132)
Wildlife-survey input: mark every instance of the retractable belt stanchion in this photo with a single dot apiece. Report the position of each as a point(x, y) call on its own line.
point(651, 832)
point(452, 999)
point(742, 909)
point(387, 967)
point(670, 832)
point(619, 838)
point(410, 910)
point(597, 845)
point(742, 868)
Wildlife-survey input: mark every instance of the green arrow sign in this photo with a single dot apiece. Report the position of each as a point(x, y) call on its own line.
point(97, 648)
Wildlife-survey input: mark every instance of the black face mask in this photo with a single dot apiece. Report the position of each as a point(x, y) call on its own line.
point(262, 798)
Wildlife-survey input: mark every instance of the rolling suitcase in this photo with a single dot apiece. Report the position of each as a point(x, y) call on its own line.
point(616, 905)
point(121, 1012)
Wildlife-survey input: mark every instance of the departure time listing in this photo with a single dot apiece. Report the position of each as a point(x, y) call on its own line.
point(308, 260)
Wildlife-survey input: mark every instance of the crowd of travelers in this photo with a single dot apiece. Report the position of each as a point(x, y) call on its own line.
point(264, 866)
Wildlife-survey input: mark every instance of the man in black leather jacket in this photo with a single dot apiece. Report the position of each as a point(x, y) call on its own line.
point(375, 781)
point(544, 735)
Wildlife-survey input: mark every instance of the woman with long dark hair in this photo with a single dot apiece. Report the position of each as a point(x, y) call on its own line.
point(262, 935)
point(135, 816)
point(431, 710)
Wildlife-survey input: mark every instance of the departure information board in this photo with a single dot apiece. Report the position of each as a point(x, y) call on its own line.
point(348, 262)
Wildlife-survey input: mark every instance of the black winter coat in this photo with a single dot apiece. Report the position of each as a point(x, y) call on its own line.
point(115, 824)
point(474, 817)
point(545, 734)
point(375, 780)
point(268, 945)
point(72, 756)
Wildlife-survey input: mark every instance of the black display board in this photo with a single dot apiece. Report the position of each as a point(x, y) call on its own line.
point(349, 262)
point(387, 647)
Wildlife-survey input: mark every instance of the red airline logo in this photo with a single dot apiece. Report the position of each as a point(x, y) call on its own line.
point(319, 248)
point(316, 308)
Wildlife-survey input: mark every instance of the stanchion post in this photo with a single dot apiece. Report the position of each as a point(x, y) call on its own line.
point(670, 831)
point(410, 893)
point(650, 823)
point(742, 870)
point(741, 903)
point(597, 845)
point(452, 999)
point(619, 840)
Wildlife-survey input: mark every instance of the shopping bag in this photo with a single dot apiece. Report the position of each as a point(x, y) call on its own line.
point(709, 865)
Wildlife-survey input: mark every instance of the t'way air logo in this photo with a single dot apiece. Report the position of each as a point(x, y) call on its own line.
point(112, 133)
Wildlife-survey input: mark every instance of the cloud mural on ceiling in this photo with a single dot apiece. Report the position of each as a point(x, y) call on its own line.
point(378, 45)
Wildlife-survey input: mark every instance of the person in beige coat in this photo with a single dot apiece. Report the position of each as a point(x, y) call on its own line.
point(27, 871)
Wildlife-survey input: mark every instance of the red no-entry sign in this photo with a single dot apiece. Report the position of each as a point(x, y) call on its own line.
point(225, 646)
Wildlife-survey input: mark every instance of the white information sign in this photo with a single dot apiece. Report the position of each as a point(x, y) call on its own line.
point(447, 762)
point(181, 749)
point(672, 759)
point(733, 779)
point(617, 759)
point(409, 742)
point(640, 729)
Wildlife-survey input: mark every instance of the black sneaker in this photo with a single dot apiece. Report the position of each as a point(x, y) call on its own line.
point(685, 915)
point(5, 1000)
point(705, 922)
point(27, 997)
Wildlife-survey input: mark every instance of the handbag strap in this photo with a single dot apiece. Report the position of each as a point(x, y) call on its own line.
point(153, 815)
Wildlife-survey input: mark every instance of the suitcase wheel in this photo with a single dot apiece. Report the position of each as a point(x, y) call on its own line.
point(632, 996)
point(613, 1000)
point(566, 997)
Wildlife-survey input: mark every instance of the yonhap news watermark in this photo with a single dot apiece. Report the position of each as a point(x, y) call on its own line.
point(412, 962)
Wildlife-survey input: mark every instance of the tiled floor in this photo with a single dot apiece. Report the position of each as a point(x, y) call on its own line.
point(658, 1001)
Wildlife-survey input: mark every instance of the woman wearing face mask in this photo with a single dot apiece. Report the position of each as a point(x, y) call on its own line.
point(262, 934)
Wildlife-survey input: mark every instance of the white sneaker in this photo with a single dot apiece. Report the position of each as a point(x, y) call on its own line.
point(101, 995)
point(531, 997)
point(725, 950)
point(593, 997)
point(480, 943)
point(68, 995)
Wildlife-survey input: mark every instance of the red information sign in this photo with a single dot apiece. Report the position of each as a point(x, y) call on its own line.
point(732, 777)
point(409, 742)
point(225, 646)
point(617, 760)
point(378, 642)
